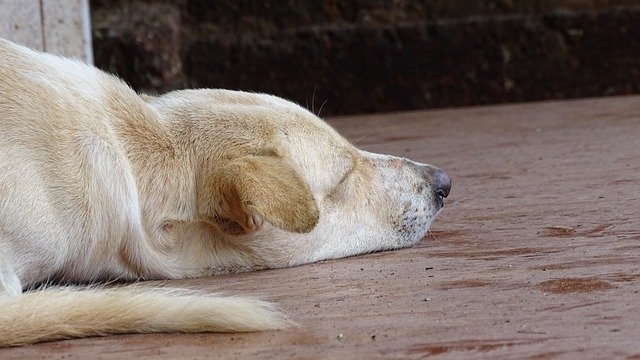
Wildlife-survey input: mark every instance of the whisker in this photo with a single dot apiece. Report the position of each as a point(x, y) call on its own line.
point(367, 146)
point(433, 236)
point(321, 106)
point(360, 139)
point(313, 99)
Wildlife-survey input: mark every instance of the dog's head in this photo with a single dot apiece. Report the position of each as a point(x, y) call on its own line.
point(279, 181)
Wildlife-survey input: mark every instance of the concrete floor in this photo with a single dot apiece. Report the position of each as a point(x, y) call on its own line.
point(536, 255)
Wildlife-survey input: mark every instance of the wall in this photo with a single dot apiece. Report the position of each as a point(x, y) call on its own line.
point(376, 55)
point(55, 26)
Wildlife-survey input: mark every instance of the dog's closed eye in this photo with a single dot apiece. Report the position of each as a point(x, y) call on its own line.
point(339, 187)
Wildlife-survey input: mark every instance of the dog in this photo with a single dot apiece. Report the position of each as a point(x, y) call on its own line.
point(99, 183)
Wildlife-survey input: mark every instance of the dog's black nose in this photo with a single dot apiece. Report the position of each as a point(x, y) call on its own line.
point(442, 183)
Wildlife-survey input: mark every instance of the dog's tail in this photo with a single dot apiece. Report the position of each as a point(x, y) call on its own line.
point(70, 312)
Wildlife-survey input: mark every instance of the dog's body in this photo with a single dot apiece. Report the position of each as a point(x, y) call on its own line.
point(99, 183)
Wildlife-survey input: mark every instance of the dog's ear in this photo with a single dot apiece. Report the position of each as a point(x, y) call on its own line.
point(252, 189)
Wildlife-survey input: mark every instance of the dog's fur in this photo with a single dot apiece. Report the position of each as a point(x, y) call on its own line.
point(99, 183)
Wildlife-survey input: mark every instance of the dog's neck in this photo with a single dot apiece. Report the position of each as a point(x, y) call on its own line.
point(164, 165)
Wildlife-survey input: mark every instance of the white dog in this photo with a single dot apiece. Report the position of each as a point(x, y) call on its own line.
point(98, 183)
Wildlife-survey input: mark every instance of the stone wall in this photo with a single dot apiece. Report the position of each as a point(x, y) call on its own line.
point(375, 55)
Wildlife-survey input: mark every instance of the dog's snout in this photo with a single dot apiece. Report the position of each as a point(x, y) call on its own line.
point(442, 183)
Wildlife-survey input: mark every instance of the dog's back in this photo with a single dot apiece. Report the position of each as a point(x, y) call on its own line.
point(48, 80)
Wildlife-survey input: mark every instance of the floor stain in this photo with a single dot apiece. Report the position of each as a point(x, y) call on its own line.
point(495, 254)
point(557, 231)
point(467, 345)
point(573, 285)
point(565, 232)
point(466, 283)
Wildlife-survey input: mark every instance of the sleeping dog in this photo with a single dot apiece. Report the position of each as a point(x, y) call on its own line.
point(99, 183)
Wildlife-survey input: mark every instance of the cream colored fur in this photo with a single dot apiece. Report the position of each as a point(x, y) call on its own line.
point(98, 183)
point(46, 314)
